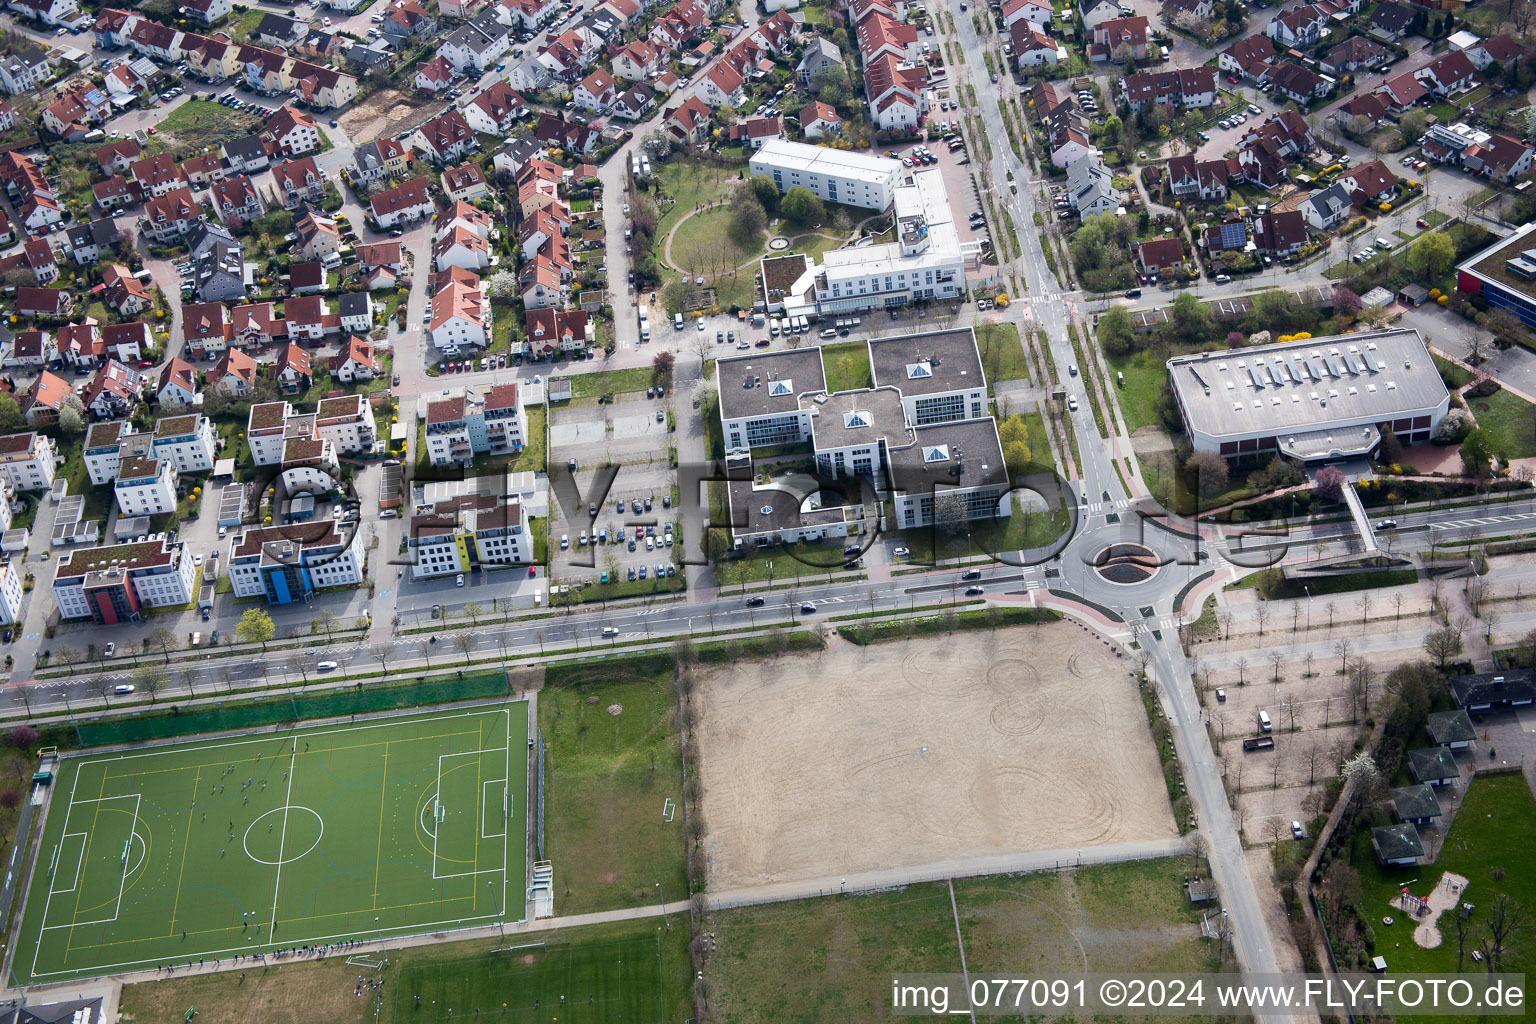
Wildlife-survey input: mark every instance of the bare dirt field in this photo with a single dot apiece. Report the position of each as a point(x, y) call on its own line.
point(385, 113)
point(907, 753)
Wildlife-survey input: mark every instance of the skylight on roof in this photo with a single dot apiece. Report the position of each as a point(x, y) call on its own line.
point(855, 420)
point(781, 387)
point(919, 369)
point(936, 453)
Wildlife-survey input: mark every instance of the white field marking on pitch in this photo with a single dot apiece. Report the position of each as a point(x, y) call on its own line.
point(416, 928)
point(461, 874)
point(122, 882)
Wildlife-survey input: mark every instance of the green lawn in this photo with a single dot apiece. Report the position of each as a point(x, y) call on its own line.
point(241, 28)
point(608, 775)
point(636, 971)
point(98, 500)
point(631, 970)
point(847, 366)
point(1490, 845)
point(533, 458)
point(1509, 421)
point(832, 959)
point(198, 123)
point(325, 831)
point(611, 382)
point(689, 183)
point(806, 560)
point(1002, 355)
point(1020, 531)
point(1446, 112)
point(1452, 373)
point(705, 243)
point(1146, 380)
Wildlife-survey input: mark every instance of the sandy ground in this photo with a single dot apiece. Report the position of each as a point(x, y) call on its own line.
point(914, 752)
point(1262, 866)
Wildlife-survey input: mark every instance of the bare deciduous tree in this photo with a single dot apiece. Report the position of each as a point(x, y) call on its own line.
point(1341, 647)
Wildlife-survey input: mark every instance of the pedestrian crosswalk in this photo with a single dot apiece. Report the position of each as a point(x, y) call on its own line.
point(1462, 524)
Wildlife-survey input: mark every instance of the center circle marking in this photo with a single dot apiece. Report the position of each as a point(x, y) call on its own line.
point(288, 855)
point(1126, 564)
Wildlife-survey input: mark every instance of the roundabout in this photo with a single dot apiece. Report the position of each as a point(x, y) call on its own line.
point(1126, 564)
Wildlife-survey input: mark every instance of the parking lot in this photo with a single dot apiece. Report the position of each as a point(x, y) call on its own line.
point(1239, 122)
point(623, 490)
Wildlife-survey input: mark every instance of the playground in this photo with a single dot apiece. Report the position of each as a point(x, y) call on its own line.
point(244, 846)
point(926, 750)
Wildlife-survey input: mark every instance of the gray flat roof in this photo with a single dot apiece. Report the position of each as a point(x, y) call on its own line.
point(971, 446)
point(857, 417)
point(922, 364)
point(1303, 385)
point(773, 509)
point(777, 380)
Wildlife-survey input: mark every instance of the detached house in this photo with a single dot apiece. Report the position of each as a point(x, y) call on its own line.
point(117, 157)
point(298, 182)
point(1298, 26)
point(637, 61)
point(445, 138)
point(40, 404)
point(234, 376)
point(356, 361)
point(1119, 37)
point(177, 386)
point(124, 292)
point(495, 110)
point(235, 201)
point(1036, 12)
point(319, 238)
point(170, 216)
point(1448, 74)
point(819, 120)
point(1279, 234)
point(633, 103)
point(401, 204)
point(1369, 183)
point(204, 326)
point(381, 159)
point(689, 121)
point(293, 131)
point(1501, 158)
point(465, 182)
point(158, 175)
point(435, 75)
point(596, 92)
point(722, 86)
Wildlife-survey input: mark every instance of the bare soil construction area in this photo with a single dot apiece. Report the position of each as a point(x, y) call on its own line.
point(385, 113)
point(907, 753)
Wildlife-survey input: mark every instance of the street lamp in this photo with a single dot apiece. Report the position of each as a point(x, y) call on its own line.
point(72, 720)
point(1308, 591)
point(662, 896)
point(380, 929)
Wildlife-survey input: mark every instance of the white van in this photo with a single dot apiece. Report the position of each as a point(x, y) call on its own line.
point(677, 321)
point(1264, 722)
point(326, 666)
